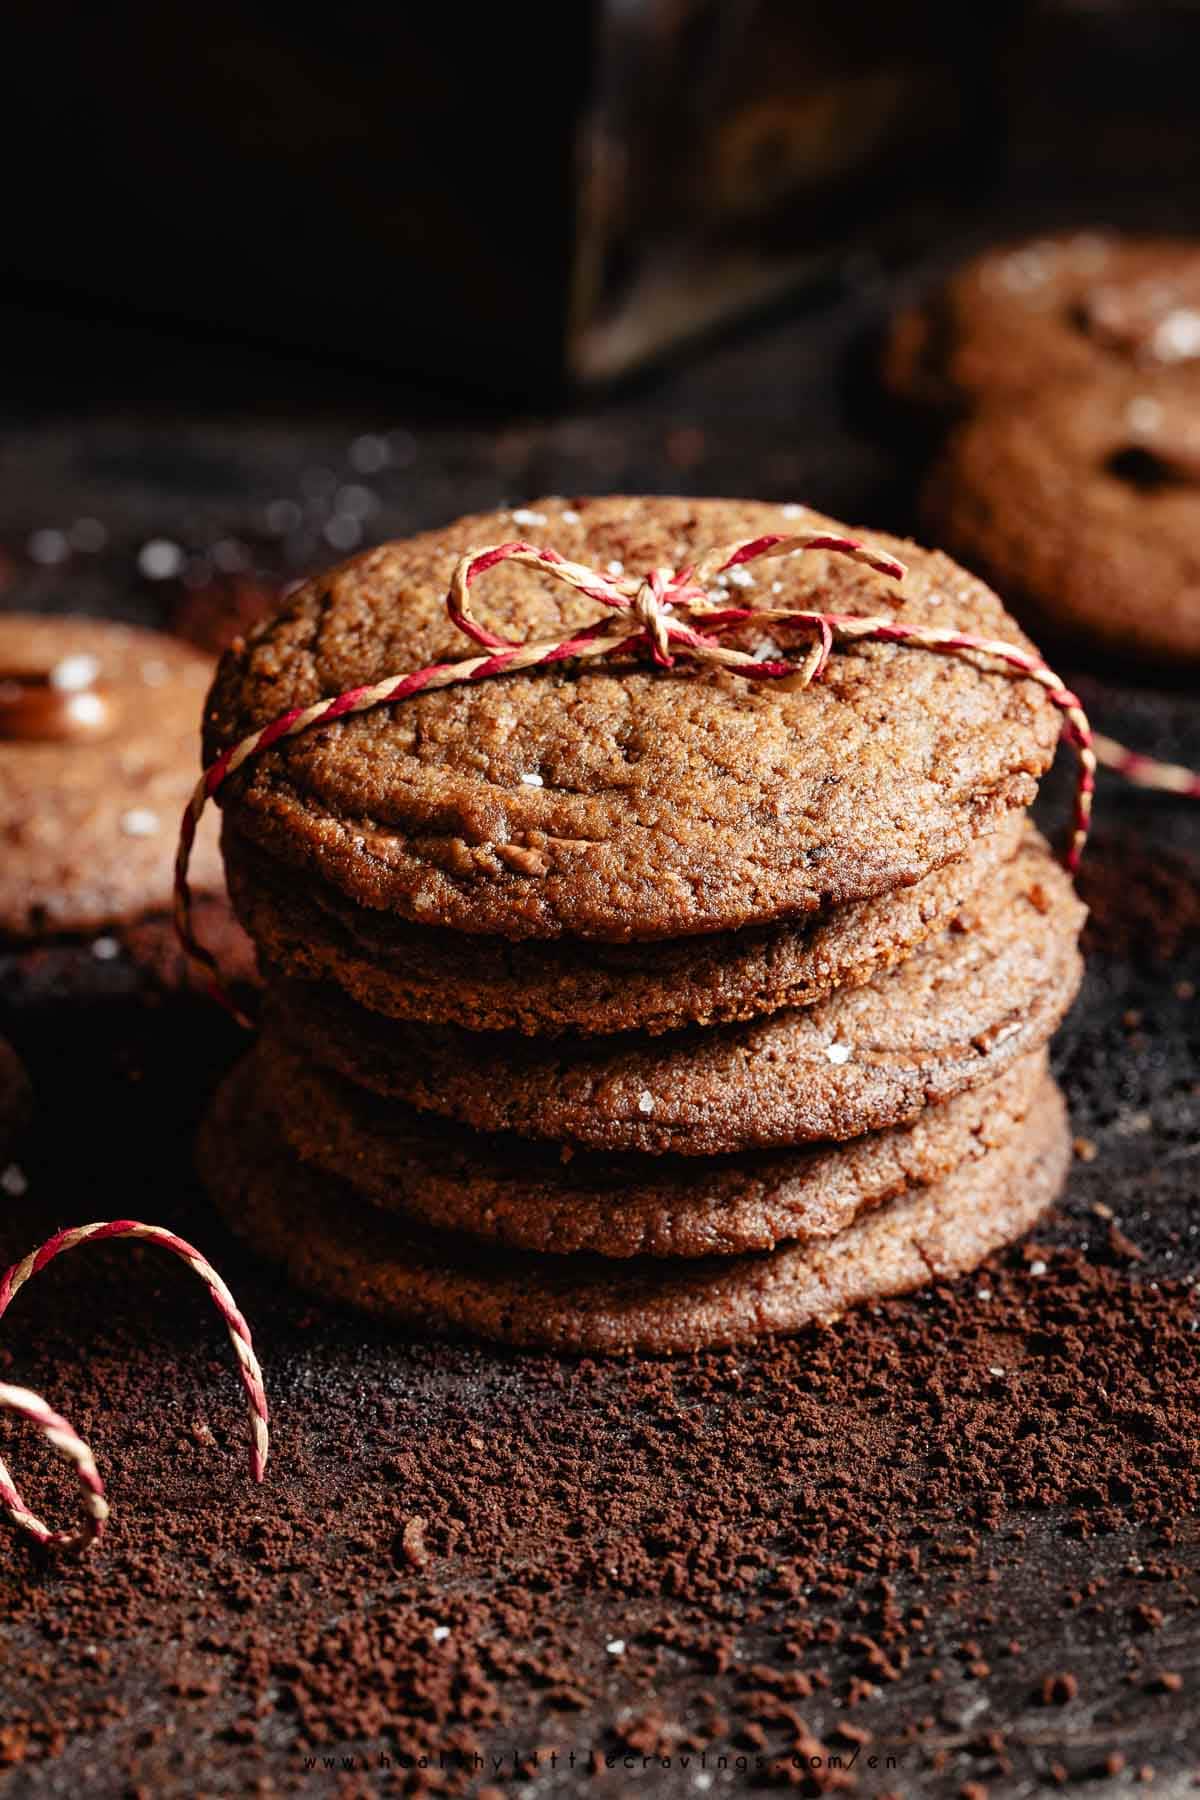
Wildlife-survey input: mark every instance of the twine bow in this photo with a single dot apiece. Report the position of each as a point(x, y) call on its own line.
point(670, 616)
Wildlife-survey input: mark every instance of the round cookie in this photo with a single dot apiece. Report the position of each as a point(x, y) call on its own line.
point(1085, 307)
point(543, 989)
point(628, 803)
point(989, 988)
point(14, 1097)
point(345, 1250)
point(526, 1196)
point(1083, 506)
point(99, 750)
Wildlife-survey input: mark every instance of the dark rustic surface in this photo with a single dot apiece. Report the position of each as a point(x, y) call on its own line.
point(757, 1529)
point(958, 1533)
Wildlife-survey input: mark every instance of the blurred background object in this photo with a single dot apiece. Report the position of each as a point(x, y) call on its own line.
point(501, 204)
point(733, 147)
point(499, 197)
point(274, 287)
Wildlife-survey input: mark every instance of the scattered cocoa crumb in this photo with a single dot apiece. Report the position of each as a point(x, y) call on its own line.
point(412, 1540)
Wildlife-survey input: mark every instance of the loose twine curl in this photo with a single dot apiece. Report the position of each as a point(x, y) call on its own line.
point(56, 1429)
point(669, 616)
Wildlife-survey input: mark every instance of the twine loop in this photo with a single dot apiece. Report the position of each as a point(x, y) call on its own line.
point(56, 1429)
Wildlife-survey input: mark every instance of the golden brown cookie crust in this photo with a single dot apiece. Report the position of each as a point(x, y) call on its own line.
point(344, 1250)
point(527, 1197)
point(310, 933)
point(629, 803)
point(988, 989)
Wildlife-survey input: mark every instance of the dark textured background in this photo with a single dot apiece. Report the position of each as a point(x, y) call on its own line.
point(220, 1636)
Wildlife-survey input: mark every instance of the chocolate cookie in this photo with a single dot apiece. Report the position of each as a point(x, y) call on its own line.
point(14, 1097)
point(627, 803)
point(487, 983)
point(1081, 308)
point(1083, 506)
point(99, 750)
point(526, 1196)
point(342, 1249)
point(989, 988)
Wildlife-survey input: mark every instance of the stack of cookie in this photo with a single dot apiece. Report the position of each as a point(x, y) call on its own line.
point(611, 1005)
point(1068, 371)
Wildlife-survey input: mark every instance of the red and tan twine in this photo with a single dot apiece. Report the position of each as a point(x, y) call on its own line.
point(669, 616)
point(1146, 771)
point(56, 1429)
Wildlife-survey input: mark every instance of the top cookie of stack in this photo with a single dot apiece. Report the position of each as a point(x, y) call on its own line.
point(504, 854)
point(613, 967)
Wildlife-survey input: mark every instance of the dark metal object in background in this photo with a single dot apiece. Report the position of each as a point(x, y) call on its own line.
point(500, 198)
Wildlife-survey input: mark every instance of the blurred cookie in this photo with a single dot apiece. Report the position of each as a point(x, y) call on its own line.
point(99, 750)
point(1082, 307)
point(1082, 506)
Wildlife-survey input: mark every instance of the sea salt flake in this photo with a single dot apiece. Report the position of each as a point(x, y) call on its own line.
point(983, 1293)
point(160, 559)
point(523, 516)
point(1144, 414)
point(342, 532)
point(105, 948)
point(570, 516)
point(49, 546)
point(792, 511)
point(87, 709)
point(1037, 1268)
point(533, 781)
point(440, 1633)
point(995, 1371)
point(615, 1646)
point(646, 1102)
point(1178, 337)
point(615, 567)
point(838, 1054)
point(139, 821)
point(741, 578)
point(369, 454)
point(74, 672)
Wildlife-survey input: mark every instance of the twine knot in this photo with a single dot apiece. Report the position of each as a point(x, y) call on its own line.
point(651, 604)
